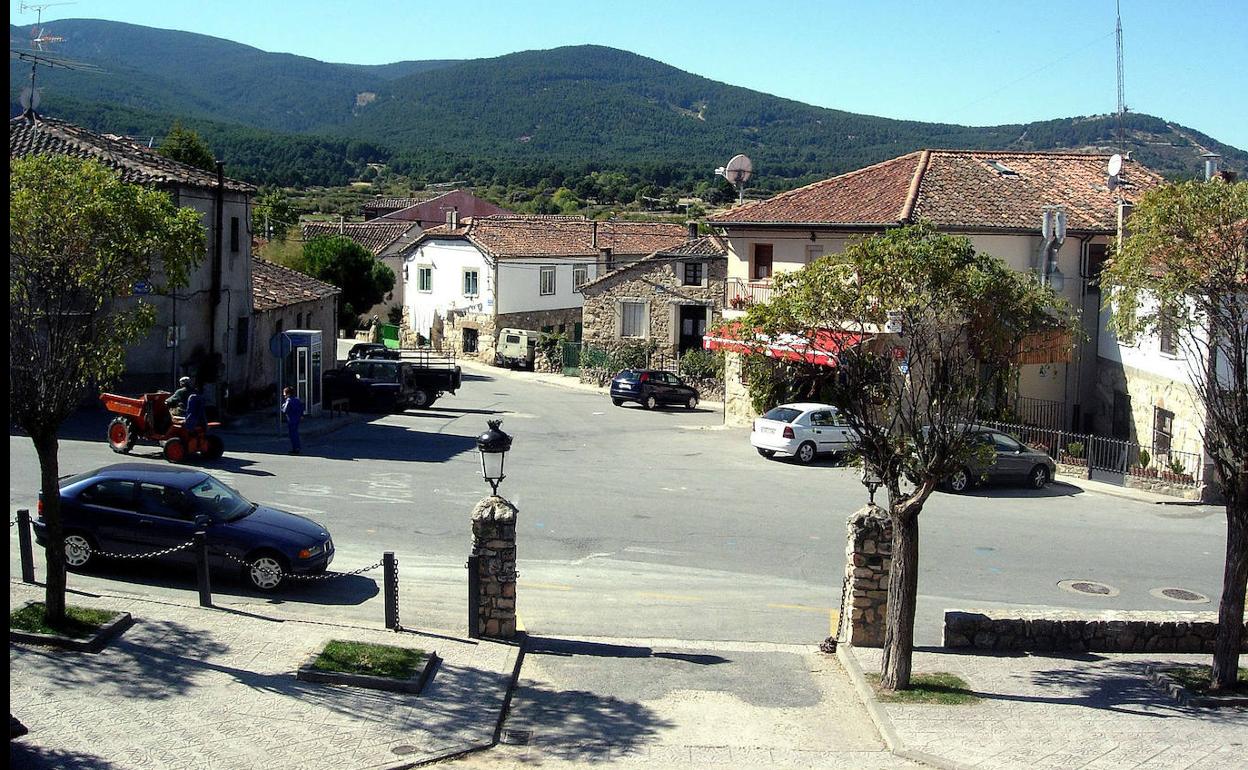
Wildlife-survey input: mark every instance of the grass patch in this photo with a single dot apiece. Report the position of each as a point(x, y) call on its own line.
point(1196, 679)
point(371, 659)
point(940, 688)
point(79, 623)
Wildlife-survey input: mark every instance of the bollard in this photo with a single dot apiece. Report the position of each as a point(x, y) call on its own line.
point(390, 587)
point(23, 540)
point(474, 598)
point(201, 568)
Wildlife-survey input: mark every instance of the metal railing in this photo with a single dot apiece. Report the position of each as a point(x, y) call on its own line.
point(740, 293)
point(1039, 412)
point(1109, 459)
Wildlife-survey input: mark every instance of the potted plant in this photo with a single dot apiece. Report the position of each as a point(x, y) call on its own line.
point(1074, 454)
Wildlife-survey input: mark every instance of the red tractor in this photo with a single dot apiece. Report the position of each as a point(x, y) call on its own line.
point(147, 418)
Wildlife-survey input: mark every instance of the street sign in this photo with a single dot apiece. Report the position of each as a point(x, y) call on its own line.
point(279, 345)
point(142, 287)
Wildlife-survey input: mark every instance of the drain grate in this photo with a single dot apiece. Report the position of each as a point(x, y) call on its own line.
point(517, 737)
point(402, 750)
point(1180, 595)
point(1088, 587)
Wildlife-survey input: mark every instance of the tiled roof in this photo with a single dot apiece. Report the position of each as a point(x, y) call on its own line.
point(274, 286)
point(706, 247)
point(134, 162)
point(517, 235)
point(957, 189)
point(396, 204)
point(376, 235)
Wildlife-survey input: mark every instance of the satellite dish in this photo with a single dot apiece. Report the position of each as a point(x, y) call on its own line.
point(29, 99)
point(739, 170)
point(1115, 165)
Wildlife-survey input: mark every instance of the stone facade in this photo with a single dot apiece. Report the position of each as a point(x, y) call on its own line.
point(738, 411)
point(868, 560)
point(448, 333)
point(494, 545)
point(1145, 392)
point(1077, 631)
point(561, 321)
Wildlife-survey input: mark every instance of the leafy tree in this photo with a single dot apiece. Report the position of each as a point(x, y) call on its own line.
point(79, 240)
point(272, 214)
point(565, 201)
point(1183, 271)
point(185, 146)
point(912, 397)
point(364, 280)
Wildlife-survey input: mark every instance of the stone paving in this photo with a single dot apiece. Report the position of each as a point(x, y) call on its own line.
point(187, 687)
point(1095, 711)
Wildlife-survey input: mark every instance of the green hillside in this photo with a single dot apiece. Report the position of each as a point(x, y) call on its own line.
point(520, 118)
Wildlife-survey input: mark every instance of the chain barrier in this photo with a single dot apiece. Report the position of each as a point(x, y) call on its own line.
point(13, 523)
point(398, 624)
point(291, 575)
point(136, 556)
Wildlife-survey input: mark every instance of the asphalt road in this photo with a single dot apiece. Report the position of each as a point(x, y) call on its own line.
point(658, 525)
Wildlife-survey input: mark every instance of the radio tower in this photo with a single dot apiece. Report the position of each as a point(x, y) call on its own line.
point(1122, 93)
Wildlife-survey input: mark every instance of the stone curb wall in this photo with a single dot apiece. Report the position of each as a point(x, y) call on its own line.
point(868, 559)
point(1060, 631)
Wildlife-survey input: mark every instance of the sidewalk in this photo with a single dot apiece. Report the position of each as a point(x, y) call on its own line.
point(1095, 711)
point(263, 424)
point(1128, 493)
point(188, 687)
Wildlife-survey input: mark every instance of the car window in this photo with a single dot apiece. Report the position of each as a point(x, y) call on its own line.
point(167, 502)
point(627, 375)
point(671, 378)
point(113, 493)
point(1005, 443)
point(215, 499)
point(783, 414)
point(822, 418)
point(513, 339)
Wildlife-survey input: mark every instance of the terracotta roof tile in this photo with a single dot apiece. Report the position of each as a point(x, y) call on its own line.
point(707, 247)
point(516, 235)
point(957, 189)
point(397, 204)
point(274, 286)
point(376, 235)
point(135, 163)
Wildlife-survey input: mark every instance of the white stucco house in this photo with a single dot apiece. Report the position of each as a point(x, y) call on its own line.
point(466, 279)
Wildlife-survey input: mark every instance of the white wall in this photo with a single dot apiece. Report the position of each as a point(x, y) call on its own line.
point(519, 284)
point(449, 259)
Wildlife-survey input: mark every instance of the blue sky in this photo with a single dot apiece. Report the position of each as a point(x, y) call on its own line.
point(977, 62)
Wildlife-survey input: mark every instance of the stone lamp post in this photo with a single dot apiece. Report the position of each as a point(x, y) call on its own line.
point(492, 564)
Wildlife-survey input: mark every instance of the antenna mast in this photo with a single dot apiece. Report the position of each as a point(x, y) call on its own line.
point(1122, 92)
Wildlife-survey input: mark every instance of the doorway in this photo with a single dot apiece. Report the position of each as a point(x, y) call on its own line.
point(692, 324)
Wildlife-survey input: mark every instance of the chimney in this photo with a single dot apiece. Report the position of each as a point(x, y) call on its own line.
point(1212, 163)
point(1124, 213)
point(693, 229)
point(452, 217)
point(605, 258)
point(593, 236)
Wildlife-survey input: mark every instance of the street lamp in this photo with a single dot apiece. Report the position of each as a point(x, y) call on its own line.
point(871, 480)
point(493, 446)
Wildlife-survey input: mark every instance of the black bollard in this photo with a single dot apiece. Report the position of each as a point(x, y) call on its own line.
point(201, 568)
point(474, 597)
point(390, 589)
point(24, 546)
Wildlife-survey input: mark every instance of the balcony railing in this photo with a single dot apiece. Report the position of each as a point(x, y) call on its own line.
point(741, 293)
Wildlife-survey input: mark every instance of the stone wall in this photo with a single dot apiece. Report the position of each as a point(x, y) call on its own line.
point(562, 321)
point(494, 545)
point(452, 334)
point(1077, 631)
point(1147, 391)
point(738, 411)
point(868, 559)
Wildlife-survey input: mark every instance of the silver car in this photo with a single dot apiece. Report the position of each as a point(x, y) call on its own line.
point(1013, 462)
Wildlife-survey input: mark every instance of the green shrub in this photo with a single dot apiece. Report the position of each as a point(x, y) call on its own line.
point(1176, 467)
point(702, 365)
point(1075, 449)
point(1145, 458)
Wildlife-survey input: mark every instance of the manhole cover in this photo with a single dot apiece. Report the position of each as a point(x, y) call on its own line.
point(1180, 595)
point(517, 737)
point(402, 750)
point(1090, 587)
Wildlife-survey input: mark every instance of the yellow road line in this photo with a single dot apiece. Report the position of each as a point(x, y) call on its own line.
point(800, 607)
point(519, 623)
point(834, 622)
point(670, 597)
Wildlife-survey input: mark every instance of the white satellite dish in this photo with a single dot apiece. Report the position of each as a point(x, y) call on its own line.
point(1115, 165)
point(739, 170)
point(29, 99)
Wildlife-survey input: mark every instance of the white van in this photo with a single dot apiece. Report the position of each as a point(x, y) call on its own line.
point(516, 348)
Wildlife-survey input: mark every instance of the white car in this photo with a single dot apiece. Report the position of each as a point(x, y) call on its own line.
point(804, 431)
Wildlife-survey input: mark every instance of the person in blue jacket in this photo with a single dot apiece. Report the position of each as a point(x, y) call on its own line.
point(292, 410)
point(196, 414)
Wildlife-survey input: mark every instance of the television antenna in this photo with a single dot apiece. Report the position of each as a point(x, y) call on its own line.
point(1122, 90)
point(737, 172)
point(40, 39)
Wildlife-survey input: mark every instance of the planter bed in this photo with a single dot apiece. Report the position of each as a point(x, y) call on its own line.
point(105, 630)
point(409, 677)
point(1177, 682)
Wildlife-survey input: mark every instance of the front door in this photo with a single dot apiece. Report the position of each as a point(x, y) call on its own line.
point(692, 327)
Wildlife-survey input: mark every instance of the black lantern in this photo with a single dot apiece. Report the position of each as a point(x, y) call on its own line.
point(871, 480)
point(493, 446)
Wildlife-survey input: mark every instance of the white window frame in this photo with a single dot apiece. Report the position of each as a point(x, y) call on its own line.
point(422, 271)
point(580, 276)
point(702, 273)
point(621, 319)
point(542, 272)
point(476, 280)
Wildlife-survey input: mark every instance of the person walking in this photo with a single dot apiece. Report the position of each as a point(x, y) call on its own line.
point(292, 410)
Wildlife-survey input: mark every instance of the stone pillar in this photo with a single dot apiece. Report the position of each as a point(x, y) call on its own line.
point(494, 545)
point(868, 558)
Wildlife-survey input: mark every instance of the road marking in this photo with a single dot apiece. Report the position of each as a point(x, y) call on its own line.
point(652, 551)
point(519, 624)
point(583, 559)
point(670, 597)
point(547, 586)
point(380, 499)
point(296, 509)
point(800, 607)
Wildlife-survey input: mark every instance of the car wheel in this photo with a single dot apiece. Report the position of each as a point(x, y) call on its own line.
point(805, 453)
point(1039, 477)
point(121, 436)
point(264, 572)
point(215, 447)
point(960, 480)
point(692, 403)
point(768, 453)
point(651, 402)
point(174, 450)
point(78, 551)
point(618, 401)
point(421, 399)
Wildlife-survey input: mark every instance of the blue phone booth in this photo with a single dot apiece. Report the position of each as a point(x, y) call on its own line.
point(299, 365)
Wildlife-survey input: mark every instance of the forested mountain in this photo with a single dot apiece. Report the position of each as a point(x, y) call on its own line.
point(515, 118)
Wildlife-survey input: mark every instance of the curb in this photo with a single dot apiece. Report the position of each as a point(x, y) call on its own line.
point(1113, 490)
point(879, 715)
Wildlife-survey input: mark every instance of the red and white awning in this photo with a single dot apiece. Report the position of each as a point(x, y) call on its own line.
point(822, 350)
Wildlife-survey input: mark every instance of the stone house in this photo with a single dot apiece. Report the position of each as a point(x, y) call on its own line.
point(204, 329)
point(467, 279)
point(671, 297)
point(998, 200)
point(284, 300)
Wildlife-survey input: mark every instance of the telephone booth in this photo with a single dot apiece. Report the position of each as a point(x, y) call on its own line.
point(299, 365)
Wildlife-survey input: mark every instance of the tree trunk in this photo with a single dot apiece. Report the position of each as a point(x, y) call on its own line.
point(903, 588)
point(1234, 582)
point(54, 550)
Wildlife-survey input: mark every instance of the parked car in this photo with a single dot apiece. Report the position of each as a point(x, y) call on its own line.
point(372, 350)
point(517, 348)
point(1013, 462)
point(651, 388)
point(803, 430)
point(134, 508)
point(379, 385)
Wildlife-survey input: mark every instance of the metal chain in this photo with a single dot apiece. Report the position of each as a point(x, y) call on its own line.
point(151, 555)
point(324, 576)
point(398, 625)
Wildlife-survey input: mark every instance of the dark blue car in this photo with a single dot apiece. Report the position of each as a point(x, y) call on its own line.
point(134, 508)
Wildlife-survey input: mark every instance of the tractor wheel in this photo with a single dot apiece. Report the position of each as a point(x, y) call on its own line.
point(121, 435)
point(215, 447)
point(174, 450)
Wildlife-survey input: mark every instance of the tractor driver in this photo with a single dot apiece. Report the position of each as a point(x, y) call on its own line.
point(196, 416)
point(177, 402)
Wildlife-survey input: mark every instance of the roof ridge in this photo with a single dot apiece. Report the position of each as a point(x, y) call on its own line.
point(916, 182)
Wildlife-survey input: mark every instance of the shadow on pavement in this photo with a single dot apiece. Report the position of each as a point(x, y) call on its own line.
point(23, 756)
point(347, 590)
point(1002, 492)
point(376, 441)
point(540, 645)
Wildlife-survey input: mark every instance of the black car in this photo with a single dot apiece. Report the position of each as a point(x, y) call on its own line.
point(652, 387)
point(134, 508)
point(1002, 458)
point(380, 385)
point(372, 350)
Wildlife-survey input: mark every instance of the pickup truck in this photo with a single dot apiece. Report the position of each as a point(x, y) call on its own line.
point(381, 385)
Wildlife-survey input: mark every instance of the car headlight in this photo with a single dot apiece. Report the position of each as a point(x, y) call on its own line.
point(308, 553)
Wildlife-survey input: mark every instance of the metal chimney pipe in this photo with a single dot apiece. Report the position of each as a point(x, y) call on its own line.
point(1212, 163)
point(693, 229)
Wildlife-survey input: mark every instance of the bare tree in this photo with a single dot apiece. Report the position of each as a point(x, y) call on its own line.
point(79, 242)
